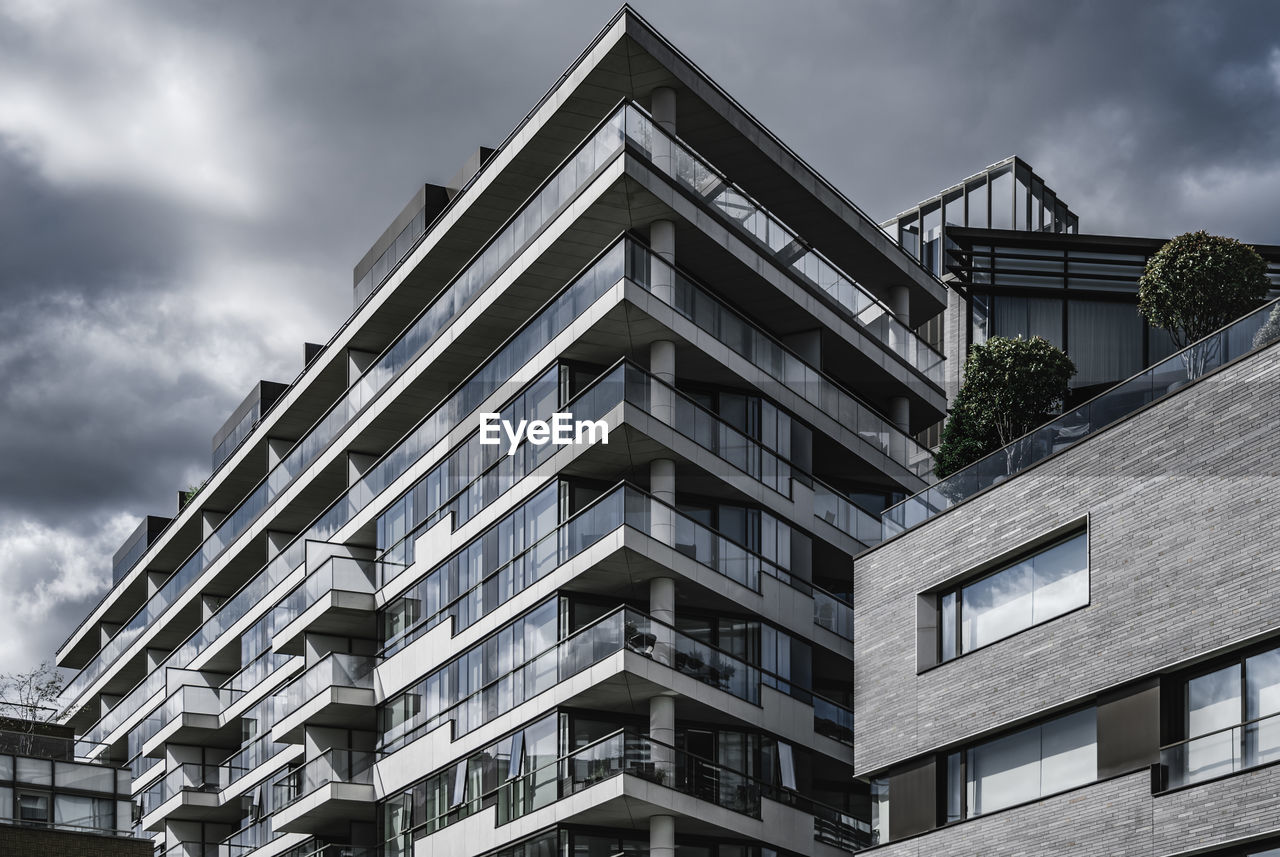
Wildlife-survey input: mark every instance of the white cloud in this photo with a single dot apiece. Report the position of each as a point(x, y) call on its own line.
point(118, 98)
point(47, 573)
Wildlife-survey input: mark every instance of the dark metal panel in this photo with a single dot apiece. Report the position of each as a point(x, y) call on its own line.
point(913, 792)
point(1129, 730)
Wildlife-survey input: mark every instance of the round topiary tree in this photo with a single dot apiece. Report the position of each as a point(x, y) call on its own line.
point(1197, 283)
point(1010, 387)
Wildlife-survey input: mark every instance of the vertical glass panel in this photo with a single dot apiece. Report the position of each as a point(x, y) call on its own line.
point(78, 811)
point(955, 787)
point(948, 626)
point(931, 238)
point(1262, 700)
point(977, 194)
point(1061, 579)
point(33, 806)
point(1002, 200)
point(1213, 701)
point(909, 235)
point(996, 606)
point(981, 327)
point(1105, 341)
point(786, 766)
point(1004, 772)
point(1069, 755)
point(86, 777)
point(880, 811)
point(37, 772)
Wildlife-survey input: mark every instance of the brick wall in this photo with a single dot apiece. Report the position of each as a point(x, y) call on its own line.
point(1183, 502)
point(37, 842)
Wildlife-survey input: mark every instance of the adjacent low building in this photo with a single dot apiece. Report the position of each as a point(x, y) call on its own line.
point(1074, 646)
point(53, 804)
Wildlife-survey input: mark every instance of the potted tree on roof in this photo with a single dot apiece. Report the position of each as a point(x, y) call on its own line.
point(1196, 284)
point(1010, 387)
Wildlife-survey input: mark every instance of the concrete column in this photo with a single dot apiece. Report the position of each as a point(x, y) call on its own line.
point(662, 484)
point(662, 836)
point(662, 365)
point(662, 240)
point(900, 412)
point(662, 106)
point(900, 303)
point(662, 729)
point(662, 599)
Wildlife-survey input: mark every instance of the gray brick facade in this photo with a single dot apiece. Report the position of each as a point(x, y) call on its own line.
point(1184, 557)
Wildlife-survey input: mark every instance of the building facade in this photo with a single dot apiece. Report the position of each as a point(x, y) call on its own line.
point(550, 550)
point(374, 631)
point(1083, 651)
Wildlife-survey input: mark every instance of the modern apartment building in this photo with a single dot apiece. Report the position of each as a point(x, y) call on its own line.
point(371, 631)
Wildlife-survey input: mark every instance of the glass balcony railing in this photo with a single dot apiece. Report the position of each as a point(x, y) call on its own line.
point(771, 235)
point(331, 766)
point(319, 848)
point(520, 231)
point(336, 574)
point(1165, 378)
point(252, 676)
point(189, 777)
point(714, 317)
point(622, 505)
point(622, 629)
point(558, 314)
point(843, 514)
point(192, 849)
point(333, 670)
point(249, 758)
point(635, 754)
point(833, 613)
point(248, 839)
point(1218, 754)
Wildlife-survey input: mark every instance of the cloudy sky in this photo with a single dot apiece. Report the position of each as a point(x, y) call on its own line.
point(185, 186)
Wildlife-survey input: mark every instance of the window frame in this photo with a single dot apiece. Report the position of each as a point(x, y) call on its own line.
point(953, 592)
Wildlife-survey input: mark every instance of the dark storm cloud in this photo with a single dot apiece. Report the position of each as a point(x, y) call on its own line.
point(184, 186)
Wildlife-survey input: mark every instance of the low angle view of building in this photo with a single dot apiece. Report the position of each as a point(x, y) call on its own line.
point(607, 524)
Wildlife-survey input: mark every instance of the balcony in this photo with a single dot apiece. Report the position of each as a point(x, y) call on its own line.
point(183, 718)
point(336, 598)
point(523, 228)
point(1219, 754)
point(326, 793)
point(770, 235)
point(648, 778)
point(188, 792)
point(664, 653)
point(336, 691)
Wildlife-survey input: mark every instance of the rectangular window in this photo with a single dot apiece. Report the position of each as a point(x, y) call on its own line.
point(1025, 766)
point(1035, 589)
point(1230, 721)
